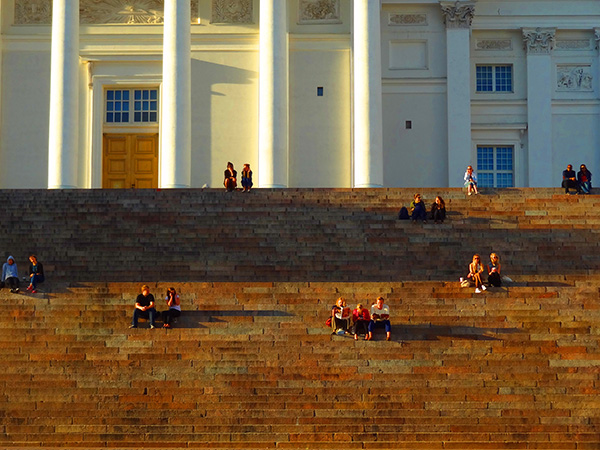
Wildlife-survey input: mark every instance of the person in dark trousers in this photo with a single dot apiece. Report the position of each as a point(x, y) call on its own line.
point(230, 182)
point(174, 310)
point(36, 274)
point(10, 275)
point(570, 180)
point(418, 211)
point(144, 307)
point(584, 178)
point(438, 210)
point(247, 178)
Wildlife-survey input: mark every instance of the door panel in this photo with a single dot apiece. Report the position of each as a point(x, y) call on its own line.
point(130, 161)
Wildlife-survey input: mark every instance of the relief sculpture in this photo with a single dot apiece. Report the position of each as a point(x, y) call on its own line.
point(232, 11)
point(319, 11)
point(574, 78)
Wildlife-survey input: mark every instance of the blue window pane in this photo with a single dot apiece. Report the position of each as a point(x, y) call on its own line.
point(125, 95)
point(145, 95)
point(110, 95)
point(117, 95)
point(137, 106)
point(153, 117)
point(504, 180)
point(137, 117)
point(485, 180)
point(145, 106)
point(117, 106)
point(485, 158)
point(117, 117)
point(125, 117)
point(145, 117)
point(484, 78)
point(125, 106)
point(153, 94)
point(504, 158)
point(109, 106)
point(503, 78)
point(137, 95)
point(109, 117)
point(153, 106)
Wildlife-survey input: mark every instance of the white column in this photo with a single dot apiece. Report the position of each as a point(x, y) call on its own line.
point(64, 96)
point(273, 140)
point(458, 18)
point(368, 116)
point(539, 43)
point(176, 117)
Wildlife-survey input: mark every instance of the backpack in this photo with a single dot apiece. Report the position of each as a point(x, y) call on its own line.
point(403, 214)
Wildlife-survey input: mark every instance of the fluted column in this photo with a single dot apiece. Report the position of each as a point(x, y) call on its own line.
point(458, 17)
point(273, 141)
point(64, 96)
point(368, 116)
point(539, 43)
point(176, 119)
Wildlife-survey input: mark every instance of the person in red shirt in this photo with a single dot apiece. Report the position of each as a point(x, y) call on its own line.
point(361, 319)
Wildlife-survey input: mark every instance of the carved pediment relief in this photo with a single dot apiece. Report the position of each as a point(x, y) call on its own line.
point(319, 11)
point(232, 11)
point(31, 12)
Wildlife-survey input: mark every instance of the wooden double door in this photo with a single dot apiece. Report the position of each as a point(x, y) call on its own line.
point(130, 161)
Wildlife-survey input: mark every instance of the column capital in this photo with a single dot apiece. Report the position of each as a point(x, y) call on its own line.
point(539, 40)
point(458, 14)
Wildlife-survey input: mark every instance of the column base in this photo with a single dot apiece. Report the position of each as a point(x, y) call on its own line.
point(63, 187)
point(272, 186)
point(367, 186)
point(174, 186)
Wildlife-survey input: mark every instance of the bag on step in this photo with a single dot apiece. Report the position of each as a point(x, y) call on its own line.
point(328, 322)
point(403, 214)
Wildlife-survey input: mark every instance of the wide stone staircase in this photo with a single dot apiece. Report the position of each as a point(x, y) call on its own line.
point(251, 365)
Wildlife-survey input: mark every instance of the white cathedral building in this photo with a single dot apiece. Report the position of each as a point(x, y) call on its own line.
point(310, 93)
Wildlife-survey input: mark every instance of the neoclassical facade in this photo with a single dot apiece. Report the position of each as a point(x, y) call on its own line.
point(311, 93)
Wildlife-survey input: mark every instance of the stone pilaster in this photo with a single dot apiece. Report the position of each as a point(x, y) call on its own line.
point(539, 43)
point(458, 17)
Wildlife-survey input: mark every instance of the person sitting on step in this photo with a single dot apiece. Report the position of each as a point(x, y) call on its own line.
point(417, 208)
point(36, 274)
point(340, 317)
point(569, 180)
point(230, 178)
point(380, 318)
point(471, 181)
point(174, 310)
point(494, 277)
point(10, 275)
point(438, 210)
point(475, 271)
point(361, 319)
point(144, 307)
point(584, 178)
point(247, 178)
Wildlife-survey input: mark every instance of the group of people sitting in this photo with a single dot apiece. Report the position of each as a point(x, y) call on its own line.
point(360, 320)
point(10, 275)
point(582, 182)
point(477, 271)
point(418, 211)
point(230, 182)
point(145, 307)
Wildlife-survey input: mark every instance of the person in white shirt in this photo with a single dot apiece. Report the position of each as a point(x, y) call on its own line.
point(471, 181)
point(380, 317)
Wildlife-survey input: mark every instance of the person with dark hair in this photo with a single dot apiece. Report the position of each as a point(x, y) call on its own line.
point(247, 178)
point(144, 307)
point(36, 274)
point(174, 310)
point(569, 180)
point(380, 317)
point(438, 210)
point(584, 178)
point(10, 275)
point(494, 277)
point(230, 178)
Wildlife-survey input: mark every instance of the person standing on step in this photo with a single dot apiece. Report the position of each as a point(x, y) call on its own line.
point(569, 180)
point(471, 181)
point(361, 319)
point(174, 310)
point(438, 210)
point(36, 273)
point(380, 318)
point(230, 178)
point(10, 275)
point(417, 208)
point(494, 277)
point(247, 178)
point(144, 307)
point(475, 271)
point(584, 178)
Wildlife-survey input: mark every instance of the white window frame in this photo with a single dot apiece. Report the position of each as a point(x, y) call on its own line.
point(494, 80)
